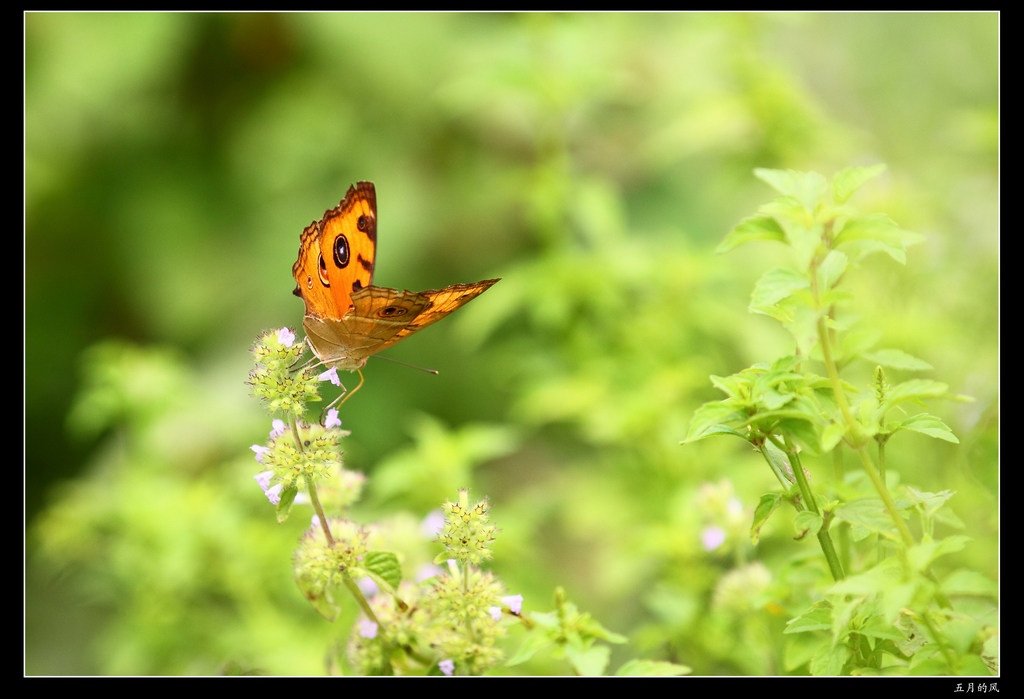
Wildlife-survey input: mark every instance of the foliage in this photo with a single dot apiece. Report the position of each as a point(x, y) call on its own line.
point(593, 162)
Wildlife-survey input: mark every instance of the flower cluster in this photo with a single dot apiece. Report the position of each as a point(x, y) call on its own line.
point(466, 609)
point(295, 460)
point(466, 535)
point(273, 381)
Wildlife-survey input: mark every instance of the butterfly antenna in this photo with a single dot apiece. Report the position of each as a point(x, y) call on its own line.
point(411, 366)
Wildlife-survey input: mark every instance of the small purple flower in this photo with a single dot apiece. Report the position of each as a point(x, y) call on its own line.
point(427, 571)
point(446, 666)
point(367, 629)
point(286, 337)
point(264, 479)
point(712, 537)
point(260, 451)
point(278, 428)
point(495, 613)
point(330, 375)
point(432, 524)
point(274, 493)
point(314, 522)
point(368, 587)
point(514, 602)
point(332, 414)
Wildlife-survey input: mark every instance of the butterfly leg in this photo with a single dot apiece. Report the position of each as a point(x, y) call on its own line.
point(345, 395)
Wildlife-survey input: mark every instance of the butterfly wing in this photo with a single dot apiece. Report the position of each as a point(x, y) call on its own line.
point(379, 318)
point(337, 254)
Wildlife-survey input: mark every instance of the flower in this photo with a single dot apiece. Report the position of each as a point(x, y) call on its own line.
point(432, 524)
point(495, 613)
point(286, 337)
point(367, 629)
point(368, 587)
point(447, 666)
point(260, 451)
point(274, 493)
point(514, 602)
point(314, 522)
point(331, 375)
point(279, 428)
point(264, 479)
point(332, 414)
point(712, 537)
point(427, 571)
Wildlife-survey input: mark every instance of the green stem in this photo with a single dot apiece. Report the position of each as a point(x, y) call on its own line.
point(363, 604)
point(824, 540)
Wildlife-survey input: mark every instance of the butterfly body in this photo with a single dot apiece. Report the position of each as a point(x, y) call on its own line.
point(348, 319)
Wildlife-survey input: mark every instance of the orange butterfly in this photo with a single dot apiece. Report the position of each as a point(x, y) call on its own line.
point(347, 319)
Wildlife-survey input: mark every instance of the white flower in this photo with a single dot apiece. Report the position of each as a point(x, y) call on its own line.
point(332, 414)
point(367, 629)
point(286, 337)
point(330, 375)
point(514, 602)
point(495, 613)
point(274, 493)
point(446, 666)
point(278, 428)
point(260, 451)
point(264, 479)
point(712, 537)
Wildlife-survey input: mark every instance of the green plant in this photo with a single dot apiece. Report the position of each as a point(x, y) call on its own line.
point(886, 610)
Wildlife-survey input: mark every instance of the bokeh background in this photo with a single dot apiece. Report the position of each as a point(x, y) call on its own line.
point(591, 161)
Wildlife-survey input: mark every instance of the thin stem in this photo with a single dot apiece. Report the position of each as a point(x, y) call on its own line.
point(824, 540)
point(363, 604)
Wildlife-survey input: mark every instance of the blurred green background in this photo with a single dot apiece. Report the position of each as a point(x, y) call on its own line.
point(591, 161)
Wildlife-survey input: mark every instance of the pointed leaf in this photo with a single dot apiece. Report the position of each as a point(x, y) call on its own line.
point(848, 181)
point(753, 228)
point(897, 359)
point(929, 425)
point(768, 504)
point(284, 506)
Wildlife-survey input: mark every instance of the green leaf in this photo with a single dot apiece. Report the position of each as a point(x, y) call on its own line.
point(652, 668)
point(774, 286)
point(864, 235)
point(284, 505)
point(929, 425)
point(832, 435)
point(385, 564)
point(846, 182)
point(897, 359)
point(753, 228)
point(969, 582)
point(829, 661)
point(817, 618)
point(870, 514)
point(805, 187)
point(768, 504)
point(922, 555)
point(807, 521)
point(588, 662)
point(915, 390)
point(531, 646)
point(830, 271)
point(708, 420)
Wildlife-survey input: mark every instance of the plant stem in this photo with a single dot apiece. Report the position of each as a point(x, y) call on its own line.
point(824, 540)
point(363, 604)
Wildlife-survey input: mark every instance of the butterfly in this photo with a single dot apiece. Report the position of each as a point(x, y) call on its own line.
point(348, 319)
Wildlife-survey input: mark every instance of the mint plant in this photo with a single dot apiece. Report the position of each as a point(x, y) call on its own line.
point(887, 610)
point(452, 619)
